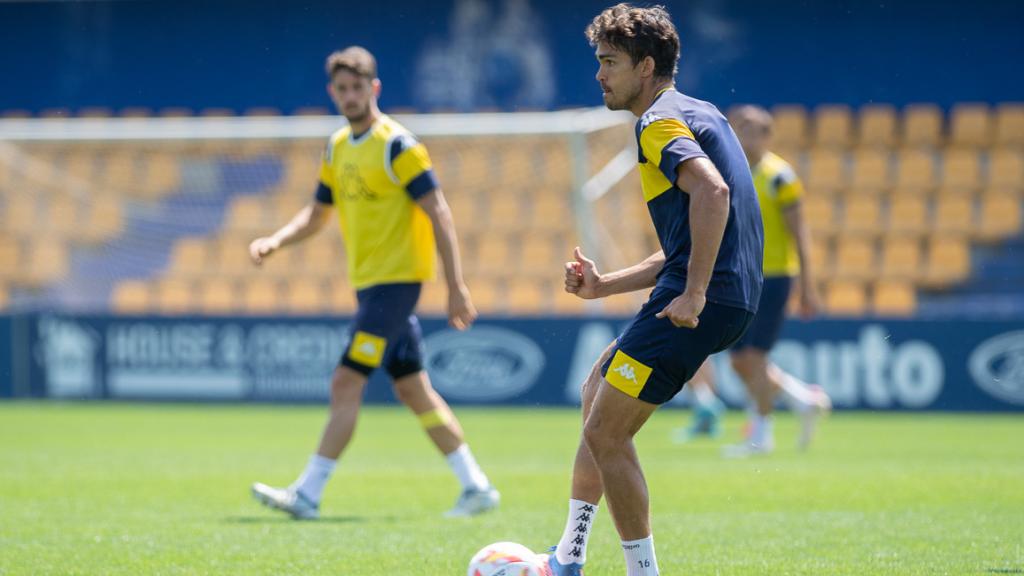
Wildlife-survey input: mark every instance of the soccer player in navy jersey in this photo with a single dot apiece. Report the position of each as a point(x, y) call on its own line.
point(706, 278)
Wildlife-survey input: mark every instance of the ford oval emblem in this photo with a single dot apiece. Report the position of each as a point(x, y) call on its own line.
point(484, 364)
point(997, 366)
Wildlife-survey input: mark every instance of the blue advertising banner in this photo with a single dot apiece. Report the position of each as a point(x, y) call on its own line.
point(876, 365)
point(6, 358)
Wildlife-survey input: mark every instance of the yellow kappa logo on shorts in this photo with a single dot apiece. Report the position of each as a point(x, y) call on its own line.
point(367, 349)
point(627, 374)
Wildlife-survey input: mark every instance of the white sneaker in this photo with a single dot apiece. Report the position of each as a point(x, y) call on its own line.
point(287, 500)
point(472, 502)
point(747, 449)
point(810, 415)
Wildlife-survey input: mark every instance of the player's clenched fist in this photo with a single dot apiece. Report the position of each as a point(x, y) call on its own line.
point(260, 248)
point(581, 276)
point(684, 310)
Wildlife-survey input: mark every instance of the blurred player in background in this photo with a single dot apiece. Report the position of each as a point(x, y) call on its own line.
point(706, 278)
point(786, 259)
point(390, 209)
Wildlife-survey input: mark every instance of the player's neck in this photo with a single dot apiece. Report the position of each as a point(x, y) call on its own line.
point(649, 95)
point(361, 126)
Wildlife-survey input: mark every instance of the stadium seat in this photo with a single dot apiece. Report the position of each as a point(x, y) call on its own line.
point(476, 166)
point(877, 126)
point(550, 212)
point(821, 255)
point(540, 255)
point(901, 258)
point(893, 298)
point(304, 296)
point(961, 169)
point(173, 296)
point(871, 170)
point(948, 261)
point(494, 254)
point(488, 295)
point(11, 258)
point(120, 172)
point(624, 305)
point(21, 214)
point(190, 257)
point(160, 175)
point(261, 295)
point(341, 298)
point(132, 297)
point(1010, 125)
point(999, 218)
point(218, 296)
point(855, 258)
point(789, 126)
point(434, 299)
point(908, 214)
point(845, 298)
point(954, 214)
point(247, 213)
point(862, 215)
point(916, 171)
point(833, 126)
point(820, 215)
point(826, 171)
point(565, 303)
point(48, 261)
point(922, 126)
point(232, 255)
point(505, 212)
point(970, 125)
point(104, 219)
point(527, 297)
point(1006, 169)
point(62, 217)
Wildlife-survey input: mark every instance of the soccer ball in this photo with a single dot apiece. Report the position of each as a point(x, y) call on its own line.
point(508, 559)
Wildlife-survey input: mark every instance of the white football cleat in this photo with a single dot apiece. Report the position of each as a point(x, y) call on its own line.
point(287, 500)
point(810, 415)
point(747, 449)
point(472, 502)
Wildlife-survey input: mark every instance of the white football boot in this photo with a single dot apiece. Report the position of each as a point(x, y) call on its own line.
point(287, 500)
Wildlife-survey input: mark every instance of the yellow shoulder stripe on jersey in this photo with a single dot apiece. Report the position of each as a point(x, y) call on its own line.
point(411, 163)
point(658, 134)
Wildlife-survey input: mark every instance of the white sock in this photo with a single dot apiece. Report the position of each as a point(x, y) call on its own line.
point(313, 479)
point(640, 558)
point(761, 430)
point(703, 396)
point(466, 469)
point(795, 392)
point(572, 548)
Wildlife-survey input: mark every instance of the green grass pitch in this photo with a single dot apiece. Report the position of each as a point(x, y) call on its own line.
point(164, 489)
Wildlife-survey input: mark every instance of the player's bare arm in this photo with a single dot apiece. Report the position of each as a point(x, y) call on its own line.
point(809, 301)
point(709, 212)
point(583, 279)
point(306, 222)
point(461, 312)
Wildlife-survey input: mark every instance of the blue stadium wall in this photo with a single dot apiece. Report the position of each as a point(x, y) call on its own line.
point(873, 365)
point(468, 54)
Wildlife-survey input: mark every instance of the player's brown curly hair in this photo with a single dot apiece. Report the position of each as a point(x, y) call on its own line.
point(640, 32)
point(354, 59)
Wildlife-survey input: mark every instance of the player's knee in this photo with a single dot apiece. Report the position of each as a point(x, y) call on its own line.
point(744, 364)
point(345, 387)
point(408, 390)
point(598, 438)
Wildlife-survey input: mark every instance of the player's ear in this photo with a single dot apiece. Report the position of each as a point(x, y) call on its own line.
point(376, 87)
point(647, 66)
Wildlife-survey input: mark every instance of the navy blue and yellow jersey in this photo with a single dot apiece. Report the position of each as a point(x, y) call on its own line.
point(778, 189)
point(677, 128)
point(373, 180)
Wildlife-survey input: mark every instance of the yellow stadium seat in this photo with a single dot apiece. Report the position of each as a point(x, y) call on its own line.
point(908, 215)
point(284, 207)
point(821, 256)
point(261, 295)
point(624, 305)
point(493, 254)
point(833, 126)
point(565, 303)
point(820, 215)
point(871, 170)
point(341, 298)
point(789, 126)
point(465, 210)
point(48, 261)
point(505, 211)
point(232, 256)
point(551, 212)
point(1006, 169)
point(518, 169)
point(21, 214)
point(476, 166)
point(246, 213)
point(961, 169)
point(488, 295)
point(174, 296)
point(855, 258)
point(894, 298)
point(305, 296)
point(190, 257)
point(999, 218)
point(862, 215)
point(218, 296)
point(954, 214)
point(948, 261)
point(916, 171)
point(120, 171)
point(922, 126)
point(826, 170)
point(970, 125)
point(1010, 124)
point(527, 297)
point(11, 258)
point(557, 166)
point(877, 126)
point(845, 298)
point(63, 217)
point(434, 299)
point(105, 219)
point(160, 175)
point(132, 297)
point(80, 167)
point(901, 258)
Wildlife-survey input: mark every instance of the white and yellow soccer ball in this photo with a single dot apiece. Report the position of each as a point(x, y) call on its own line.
point(508, 559)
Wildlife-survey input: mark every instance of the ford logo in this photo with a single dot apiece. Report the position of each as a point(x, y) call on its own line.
point(484, 364)
point(997, 366)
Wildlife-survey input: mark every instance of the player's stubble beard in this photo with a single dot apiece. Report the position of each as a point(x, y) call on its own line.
point(613, 102)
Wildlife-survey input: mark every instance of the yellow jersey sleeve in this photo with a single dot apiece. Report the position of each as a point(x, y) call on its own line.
point(667, 143)
point(411, 166)
point(789, 188)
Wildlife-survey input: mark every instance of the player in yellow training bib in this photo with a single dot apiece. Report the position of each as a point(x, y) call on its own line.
point(379, 180)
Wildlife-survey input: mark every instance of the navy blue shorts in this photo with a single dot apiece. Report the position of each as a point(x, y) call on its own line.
point(771, 313)
point(653, 359)
point(385, 332)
